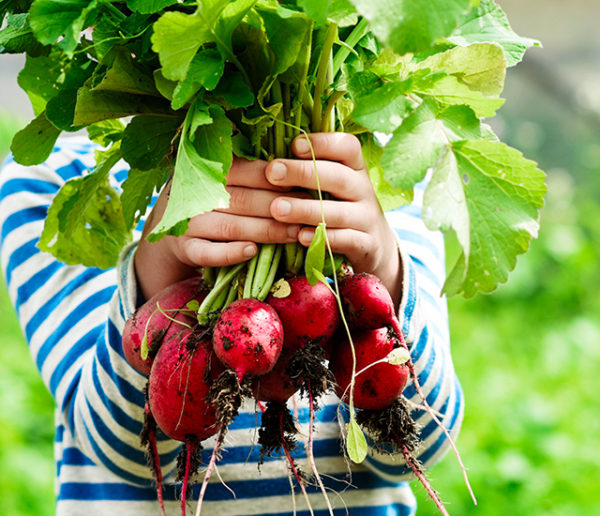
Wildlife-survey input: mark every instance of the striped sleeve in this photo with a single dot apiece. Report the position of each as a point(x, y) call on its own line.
point(72, 317)
point(424, 318)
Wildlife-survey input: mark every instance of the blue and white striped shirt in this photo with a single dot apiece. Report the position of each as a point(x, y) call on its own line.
point(73, 316)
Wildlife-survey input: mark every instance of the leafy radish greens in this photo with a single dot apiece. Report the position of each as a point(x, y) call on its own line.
point(177, 88)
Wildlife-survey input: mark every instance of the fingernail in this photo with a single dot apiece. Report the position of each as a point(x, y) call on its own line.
point(278, 171)
point(292, 232)
point(249, 251)
point(284, 207)
point(306, 236)
point(302, 146)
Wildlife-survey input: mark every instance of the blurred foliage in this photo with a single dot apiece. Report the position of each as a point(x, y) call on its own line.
point(527, 355)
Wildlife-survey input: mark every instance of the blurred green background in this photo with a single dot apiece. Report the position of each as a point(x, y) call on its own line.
point(528, 355)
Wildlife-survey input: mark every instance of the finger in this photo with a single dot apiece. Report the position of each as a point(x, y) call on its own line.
point(337, 214)
point(251, 174)
point(330, 176)
point(358, 246)
point(226, 227)
point(342, 147)
point(250, 201)
point(197, 252)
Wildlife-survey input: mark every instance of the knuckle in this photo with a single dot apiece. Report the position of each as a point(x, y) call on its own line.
point(228, 231)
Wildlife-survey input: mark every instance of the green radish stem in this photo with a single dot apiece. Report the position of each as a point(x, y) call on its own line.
point(208, 305)
point(358, 32)
point(268, 283)
point(322, 69)
point(265, 258)
point(250, 276)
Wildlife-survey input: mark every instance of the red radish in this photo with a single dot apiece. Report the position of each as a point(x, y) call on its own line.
point(308, 314)
point(153, 320)
point(276, 385)
point(180, 379)
point(248, 337)
point(379, 385)
point(367, 303)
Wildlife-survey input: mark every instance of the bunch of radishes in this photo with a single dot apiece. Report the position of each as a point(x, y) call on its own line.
point(292, 341)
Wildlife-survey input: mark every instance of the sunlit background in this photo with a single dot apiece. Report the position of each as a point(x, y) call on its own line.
point(528, 355)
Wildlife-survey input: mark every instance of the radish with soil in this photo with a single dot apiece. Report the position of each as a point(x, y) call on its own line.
point(164, 315)
point(180, 379)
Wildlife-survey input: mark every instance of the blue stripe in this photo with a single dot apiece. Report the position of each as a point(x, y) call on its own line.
point(131, 424)
point(410, 390)
point(22, 217)
point(126, 389)
point(74, 169)
point(20, 256)
point(85, 307)
point(411, 299)
point(418, 348)
point(427, 272)
point(74, 457)
point(79, 347)
point(420, 240)
point(32, 285)
point(108, 436)
point(27, 186)
point(244, 489)
point(111, 466)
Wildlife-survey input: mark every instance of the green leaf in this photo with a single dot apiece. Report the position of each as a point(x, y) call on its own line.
point(481, 66)
point(315, 256)
point(388, 196)
point(234, 90)
point(17, 37)
point(356, 443)
point(409, 26)
point(60, 109)
point(286, 31)
point(149, 6)
point(127, 76)
point(147, 140)
point(105, 132)
point(448, 90)
point(85, 222)
point(33, 144)
point(205, 71)
point(138, 190)
point(341, 12)
point(417, 144)
point(199, 181)
point(178, 36)
point(487, 22)
point(39, 79)
point(94, 106)
point(379, 105)
point(503, 193)
point(51, 19)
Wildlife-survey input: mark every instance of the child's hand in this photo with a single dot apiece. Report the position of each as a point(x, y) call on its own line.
point(356, 226)
point(216, 238)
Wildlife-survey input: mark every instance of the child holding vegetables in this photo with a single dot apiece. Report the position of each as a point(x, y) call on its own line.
point(73, 316)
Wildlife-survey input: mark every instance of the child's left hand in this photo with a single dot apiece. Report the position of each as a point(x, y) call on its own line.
point(356, 225)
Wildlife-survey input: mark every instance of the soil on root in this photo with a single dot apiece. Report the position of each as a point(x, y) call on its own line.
point(277, 431)
point(227, 394)
point(391, 428)
point(308, 365)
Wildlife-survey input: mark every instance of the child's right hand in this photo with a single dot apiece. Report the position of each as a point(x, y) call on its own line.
point(216, 238)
